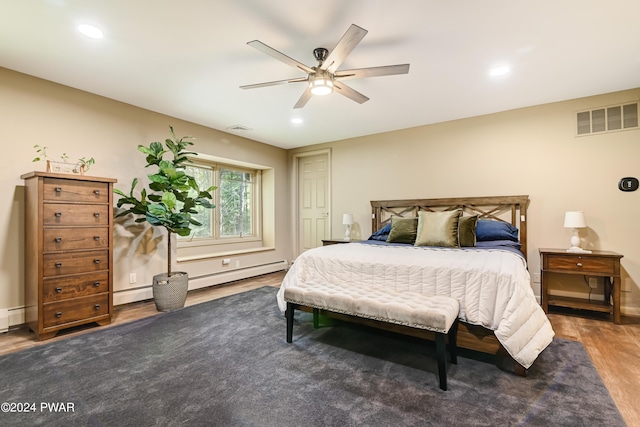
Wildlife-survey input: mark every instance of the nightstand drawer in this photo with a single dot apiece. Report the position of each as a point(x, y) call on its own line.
point(580, 264)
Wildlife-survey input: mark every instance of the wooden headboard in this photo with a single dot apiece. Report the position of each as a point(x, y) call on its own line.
point(511, 209)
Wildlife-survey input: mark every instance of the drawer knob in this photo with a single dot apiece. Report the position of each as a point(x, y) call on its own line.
point(58, 239)
point(58, 264)
point(97, 214)
point(58, 214)
point(59, 314)
point(96, 192)
point(579, 264)
point(96, 238)
point(96, 261)
point(58, 290)
point(58, 189)
point(97, 306)
point(96, 284)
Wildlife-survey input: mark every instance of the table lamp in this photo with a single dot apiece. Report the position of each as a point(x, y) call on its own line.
point(347, 219)
point(575, 220)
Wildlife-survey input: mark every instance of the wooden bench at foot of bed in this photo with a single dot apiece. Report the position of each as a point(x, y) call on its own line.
point(411, 311)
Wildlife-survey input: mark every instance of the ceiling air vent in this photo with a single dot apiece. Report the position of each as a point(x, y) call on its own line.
point(607, 119)
point(239, 128)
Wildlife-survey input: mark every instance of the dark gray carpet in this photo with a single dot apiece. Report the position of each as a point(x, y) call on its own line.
point(226, 363)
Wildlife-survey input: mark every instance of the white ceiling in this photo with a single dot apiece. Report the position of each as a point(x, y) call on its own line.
point(187, 58)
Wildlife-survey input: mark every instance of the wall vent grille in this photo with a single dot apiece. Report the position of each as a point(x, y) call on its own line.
point(607, 119)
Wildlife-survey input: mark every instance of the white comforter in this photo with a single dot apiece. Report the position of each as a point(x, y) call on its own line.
point(493, 286)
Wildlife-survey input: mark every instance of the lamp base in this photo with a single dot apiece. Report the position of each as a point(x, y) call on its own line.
point(576, 249)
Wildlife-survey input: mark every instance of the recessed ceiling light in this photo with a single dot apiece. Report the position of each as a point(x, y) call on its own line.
point(91, 31)
point(297, 120)
point(500, 70)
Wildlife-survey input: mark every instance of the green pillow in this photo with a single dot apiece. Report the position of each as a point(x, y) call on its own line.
point(438, 228)
point(403, 230)
point(467, 230)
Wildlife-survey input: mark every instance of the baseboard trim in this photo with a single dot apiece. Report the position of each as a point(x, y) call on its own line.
point(145, 292)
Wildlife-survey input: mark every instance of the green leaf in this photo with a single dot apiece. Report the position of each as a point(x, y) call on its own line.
point(169, 200)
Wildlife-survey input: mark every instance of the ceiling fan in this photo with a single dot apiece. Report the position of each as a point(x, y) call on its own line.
point(325, 77)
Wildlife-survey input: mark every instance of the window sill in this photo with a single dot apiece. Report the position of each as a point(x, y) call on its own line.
point(223, 254)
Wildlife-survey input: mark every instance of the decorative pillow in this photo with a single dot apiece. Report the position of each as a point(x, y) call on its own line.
point(403, 230)
point(381, 234)
point(467, 230)
point(438, 228)
point(495, 230)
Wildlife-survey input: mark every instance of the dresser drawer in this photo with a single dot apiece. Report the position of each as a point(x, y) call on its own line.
point(64, 239)
point(75, 309)
point(75, 286)
point(66, 190)
point(74, 263)
point(581, 264)
point(72, 214)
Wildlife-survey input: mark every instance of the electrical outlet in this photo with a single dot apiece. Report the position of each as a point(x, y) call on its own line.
point(132, 278)
point(238, 264)
point(593, 282)
point(535, 277)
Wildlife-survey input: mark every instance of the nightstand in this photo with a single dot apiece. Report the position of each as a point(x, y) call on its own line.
point(604, 264)
point(327, 242)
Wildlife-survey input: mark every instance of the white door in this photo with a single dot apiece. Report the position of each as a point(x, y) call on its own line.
point(313, 201)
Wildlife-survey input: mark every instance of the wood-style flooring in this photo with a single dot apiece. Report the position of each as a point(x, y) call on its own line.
point(614, 349)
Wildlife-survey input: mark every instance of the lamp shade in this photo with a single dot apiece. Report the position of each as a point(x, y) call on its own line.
point(574, 219)
point(321, 85)
point(347, 219)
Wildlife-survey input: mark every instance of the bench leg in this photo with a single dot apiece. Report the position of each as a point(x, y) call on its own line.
point(316, 318)
point(453, 342)
point(441, 356)
point(289, 316)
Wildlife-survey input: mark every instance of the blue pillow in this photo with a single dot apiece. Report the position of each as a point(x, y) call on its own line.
point(487, 230)
point(381, 234)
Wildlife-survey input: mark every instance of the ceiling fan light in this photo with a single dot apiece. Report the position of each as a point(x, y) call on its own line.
point(321, 86)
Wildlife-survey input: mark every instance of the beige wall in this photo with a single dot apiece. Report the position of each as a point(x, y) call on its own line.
point(530, 151)
point(35, 111)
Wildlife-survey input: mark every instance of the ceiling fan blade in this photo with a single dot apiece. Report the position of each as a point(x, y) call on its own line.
point(279, 56)
point(350, 93)
point(306, 96)
point(347, 43)
point(360, 73)
point(277, 82)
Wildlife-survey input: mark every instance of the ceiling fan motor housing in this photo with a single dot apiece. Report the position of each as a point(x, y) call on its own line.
point(320, 54)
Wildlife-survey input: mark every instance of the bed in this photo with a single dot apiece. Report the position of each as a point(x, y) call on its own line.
point(416, 247)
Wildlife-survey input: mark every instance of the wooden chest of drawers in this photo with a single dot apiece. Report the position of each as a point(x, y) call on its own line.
point(68, 251)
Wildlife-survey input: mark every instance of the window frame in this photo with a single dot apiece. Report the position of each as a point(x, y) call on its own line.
point(190, 248)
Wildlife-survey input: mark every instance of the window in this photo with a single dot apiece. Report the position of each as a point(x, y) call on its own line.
point(236, 196)
point(235, 215)
point(243, 220)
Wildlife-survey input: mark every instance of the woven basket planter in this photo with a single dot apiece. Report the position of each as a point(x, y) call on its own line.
point(170, 293)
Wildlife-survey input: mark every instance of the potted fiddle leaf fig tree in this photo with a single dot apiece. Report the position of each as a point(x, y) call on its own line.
point(170, 203)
